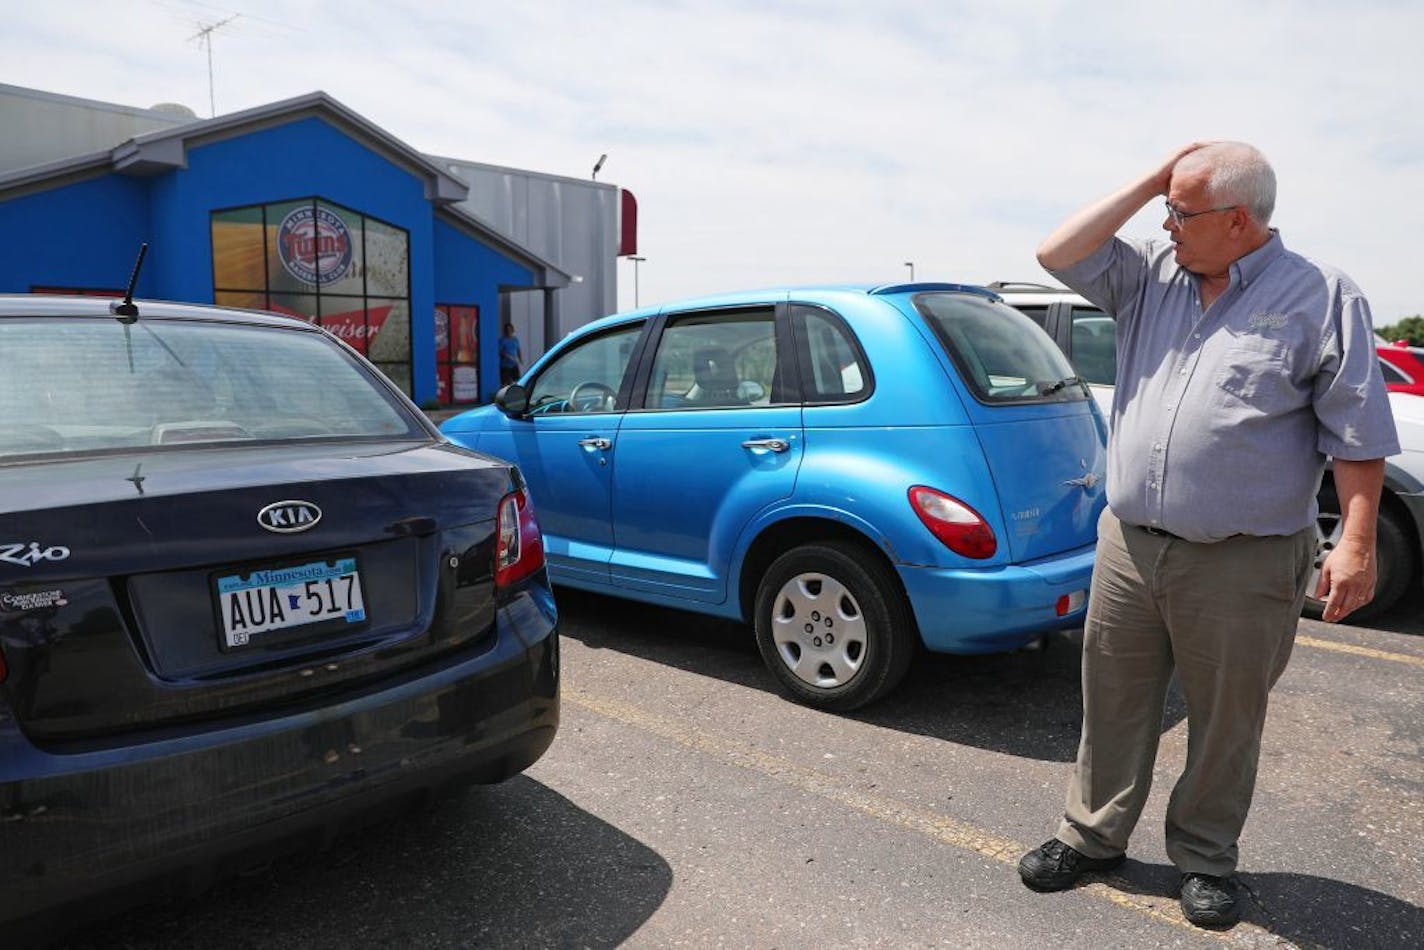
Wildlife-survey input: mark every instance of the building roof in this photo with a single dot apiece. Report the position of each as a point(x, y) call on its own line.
point(170, 112)
point(166, 150)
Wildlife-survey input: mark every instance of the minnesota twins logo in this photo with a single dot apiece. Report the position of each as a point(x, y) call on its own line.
point(312, 242)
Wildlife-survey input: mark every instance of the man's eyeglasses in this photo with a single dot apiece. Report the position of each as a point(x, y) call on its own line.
point(1180, 217)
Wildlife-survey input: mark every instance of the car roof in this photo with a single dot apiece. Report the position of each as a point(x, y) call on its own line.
point(1026, 292)
point(767, 295)
point(46, 305)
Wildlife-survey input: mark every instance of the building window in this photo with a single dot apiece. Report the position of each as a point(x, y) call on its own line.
point(457, 349)
point(329, 265)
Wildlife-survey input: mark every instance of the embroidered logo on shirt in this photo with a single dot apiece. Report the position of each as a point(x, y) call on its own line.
point(1267, 321)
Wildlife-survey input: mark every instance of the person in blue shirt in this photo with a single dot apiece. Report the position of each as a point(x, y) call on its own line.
point(511, 357)
point(1241, 367)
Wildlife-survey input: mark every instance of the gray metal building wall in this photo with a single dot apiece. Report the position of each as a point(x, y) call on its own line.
point(569, 221)
point(44, 127)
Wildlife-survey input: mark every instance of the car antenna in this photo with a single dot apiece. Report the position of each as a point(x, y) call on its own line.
point(125, 310)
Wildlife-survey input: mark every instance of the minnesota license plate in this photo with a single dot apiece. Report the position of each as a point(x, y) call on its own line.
point(263, 601)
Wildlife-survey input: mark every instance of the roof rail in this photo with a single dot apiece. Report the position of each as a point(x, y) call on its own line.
point(930, 286)
point(1019, 284)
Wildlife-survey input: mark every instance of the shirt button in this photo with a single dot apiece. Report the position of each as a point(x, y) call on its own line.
point(1196, 336)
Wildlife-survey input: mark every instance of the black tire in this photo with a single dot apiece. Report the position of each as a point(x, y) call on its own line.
point(1393, 553)
point(853, 634)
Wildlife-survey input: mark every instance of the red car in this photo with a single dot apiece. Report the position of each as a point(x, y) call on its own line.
point(1403, 367)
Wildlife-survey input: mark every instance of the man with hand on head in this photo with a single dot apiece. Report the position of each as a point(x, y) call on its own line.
point(1241, 366)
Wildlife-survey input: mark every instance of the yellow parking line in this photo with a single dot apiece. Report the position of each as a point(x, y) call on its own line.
point(939, 827)
point(1360, 651)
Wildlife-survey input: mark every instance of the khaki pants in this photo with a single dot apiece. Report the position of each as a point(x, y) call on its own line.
point(1224, 616)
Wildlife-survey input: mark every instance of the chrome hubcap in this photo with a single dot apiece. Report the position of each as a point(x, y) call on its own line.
point(818, 630)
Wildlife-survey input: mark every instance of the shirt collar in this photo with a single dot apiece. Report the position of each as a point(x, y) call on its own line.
point(1251, 266)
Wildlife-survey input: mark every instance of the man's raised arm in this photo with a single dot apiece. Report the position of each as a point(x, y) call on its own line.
point(1087, 229)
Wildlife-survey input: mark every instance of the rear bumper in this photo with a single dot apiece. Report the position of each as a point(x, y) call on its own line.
point(990, 610)
point(185, 808)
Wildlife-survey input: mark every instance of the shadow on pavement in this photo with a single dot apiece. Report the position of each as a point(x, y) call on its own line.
point(1407, 616)
point(1300, 908)
point(514, 864)
point(1026, 704)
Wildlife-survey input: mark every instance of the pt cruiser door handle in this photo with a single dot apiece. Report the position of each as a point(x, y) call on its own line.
point(597, 443)
point(772, 445)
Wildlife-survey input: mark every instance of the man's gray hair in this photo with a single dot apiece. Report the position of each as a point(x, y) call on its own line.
point(1237, 174)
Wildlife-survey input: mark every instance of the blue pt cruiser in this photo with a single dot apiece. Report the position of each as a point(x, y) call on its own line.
point(854, 471)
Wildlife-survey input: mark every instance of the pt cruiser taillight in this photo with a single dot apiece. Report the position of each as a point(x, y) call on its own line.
point(962, 529)
point(520, 549)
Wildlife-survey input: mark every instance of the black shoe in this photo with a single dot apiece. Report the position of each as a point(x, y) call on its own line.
point(1054, 866)
point(1209, 901)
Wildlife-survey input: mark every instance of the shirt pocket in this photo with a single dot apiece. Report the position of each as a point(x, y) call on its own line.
point(1256, 369)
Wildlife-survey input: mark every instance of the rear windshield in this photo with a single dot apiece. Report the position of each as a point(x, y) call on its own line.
point(70, 385)
point(1002, 355)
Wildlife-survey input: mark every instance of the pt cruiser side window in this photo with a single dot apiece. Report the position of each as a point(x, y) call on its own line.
point(588, 377)
point(833, 368)
point(722, 359)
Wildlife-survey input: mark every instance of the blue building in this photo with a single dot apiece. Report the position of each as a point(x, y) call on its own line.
point(301, 207)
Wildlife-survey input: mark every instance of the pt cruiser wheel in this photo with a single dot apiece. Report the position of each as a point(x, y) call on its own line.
point(833, 626)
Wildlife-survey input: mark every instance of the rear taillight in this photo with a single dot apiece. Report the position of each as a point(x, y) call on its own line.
point(520, 549)
point(962, 529)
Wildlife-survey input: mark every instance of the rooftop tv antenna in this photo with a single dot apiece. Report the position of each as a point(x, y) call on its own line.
point(205, 37)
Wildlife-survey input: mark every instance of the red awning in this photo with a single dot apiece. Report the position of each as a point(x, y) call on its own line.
point(628, 225)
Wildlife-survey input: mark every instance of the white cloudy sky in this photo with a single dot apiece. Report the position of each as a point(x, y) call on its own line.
point(773, 141)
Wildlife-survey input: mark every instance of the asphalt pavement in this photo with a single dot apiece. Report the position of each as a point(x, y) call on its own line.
point(685, 803)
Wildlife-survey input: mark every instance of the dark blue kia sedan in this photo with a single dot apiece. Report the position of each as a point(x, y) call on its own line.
point(248, 594)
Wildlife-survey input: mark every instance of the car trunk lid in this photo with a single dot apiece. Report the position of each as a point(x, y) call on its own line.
point(118, 593)
point(1049, 475)
point(1044, 441)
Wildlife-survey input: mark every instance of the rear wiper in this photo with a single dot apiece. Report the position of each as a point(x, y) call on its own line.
point(1048, 389)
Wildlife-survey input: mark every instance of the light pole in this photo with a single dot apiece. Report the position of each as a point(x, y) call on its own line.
point(911, 266)
point(636, 261)
point(598, 164)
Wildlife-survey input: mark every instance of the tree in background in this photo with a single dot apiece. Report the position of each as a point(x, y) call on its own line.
point(1410, 329)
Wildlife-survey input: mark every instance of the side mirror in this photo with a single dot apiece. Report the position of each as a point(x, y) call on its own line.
point(512, 400)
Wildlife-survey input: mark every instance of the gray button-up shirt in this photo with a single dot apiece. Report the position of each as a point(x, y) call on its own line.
point(1222, 421)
